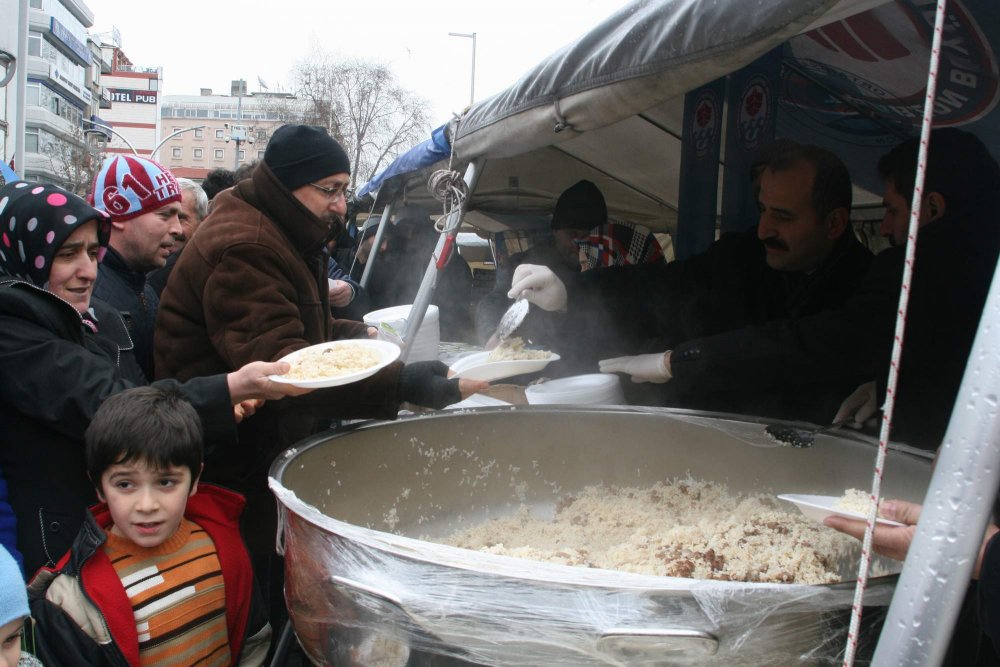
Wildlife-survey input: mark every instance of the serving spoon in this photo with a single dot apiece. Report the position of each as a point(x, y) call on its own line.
point(513, 318)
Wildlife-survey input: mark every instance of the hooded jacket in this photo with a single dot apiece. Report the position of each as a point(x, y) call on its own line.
point(83, 615)
point(55, 371)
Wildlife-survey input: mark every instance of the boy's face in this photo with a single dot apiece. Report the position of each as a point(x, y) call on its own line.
point(146, 504)
point(10, 642)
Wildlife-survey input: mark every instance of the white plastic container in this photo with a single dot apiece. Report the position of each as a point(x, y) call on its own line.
point(425, 346)
point(593, 389)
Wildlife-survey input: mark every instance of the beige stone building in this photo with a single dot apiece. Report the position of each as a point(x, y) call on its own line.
point(220, 130)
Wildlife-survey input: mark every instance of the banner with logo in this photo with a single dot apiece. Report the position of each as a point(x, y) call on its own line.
point(859, 84)
point(699, 183)
point(753, 105)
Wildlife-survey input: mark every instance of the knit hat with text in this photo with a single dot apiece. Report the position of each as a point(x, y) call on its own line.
point(301, 154)
point(128, 186)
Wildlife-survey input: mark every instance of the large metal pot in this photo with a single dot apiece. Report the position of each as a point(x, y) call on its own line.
point(365, 587)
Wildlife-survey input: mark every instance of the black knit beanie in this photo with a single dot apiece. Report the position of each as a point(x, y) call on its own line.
point(300, 154)
point(580, 206)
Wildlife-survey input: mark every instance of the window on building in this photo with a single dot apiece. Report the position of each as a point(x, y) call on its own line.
point(220, 154)
point(175, 152)
point(220, 134)
point(202, 113)
point(261, 135)
point(243, 155)
point(260, 155)
point(31, 140)
point(35, 44)
point(36, 4)
point(199, 133)
point(198, 153)
point(32, 94)
point(176, 129)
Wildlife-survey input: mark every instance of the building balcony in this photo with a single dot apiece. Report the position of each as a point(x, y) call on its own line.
point(54, 123)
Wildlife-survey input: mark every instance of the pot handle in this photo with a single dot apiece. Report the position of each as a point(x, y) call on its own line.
point(631, 643)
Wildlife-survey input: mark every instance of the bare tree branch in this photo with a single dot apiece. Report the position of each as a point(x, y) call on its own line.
point(361, 104)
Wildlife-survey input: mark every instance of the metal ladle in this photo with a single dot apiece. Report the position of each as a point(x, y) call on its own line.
point(513, 318)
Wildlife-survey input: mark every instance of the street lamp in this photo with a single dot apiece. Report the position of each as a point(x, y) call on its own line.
point(472, 35)
point(238, 132)
point(112, 131)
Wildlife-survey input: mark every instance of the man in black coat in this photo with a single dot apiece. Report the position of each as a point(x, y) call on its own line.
point(802, 259)
point(580, 208)
point(956, 255)
point(144, 202)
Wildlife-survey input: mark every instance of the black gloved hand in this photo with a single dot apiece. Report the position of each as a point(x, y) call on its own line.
point(426, 383)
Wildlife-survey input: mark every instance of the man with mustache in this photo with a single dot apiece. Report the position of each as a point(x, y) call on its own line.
point(803, 258)
point(144, 202)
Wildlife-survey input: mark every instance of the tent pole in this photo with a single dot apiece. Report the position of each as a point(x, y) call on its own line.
point(958, 505)
point(446, 243)
point(373, 255)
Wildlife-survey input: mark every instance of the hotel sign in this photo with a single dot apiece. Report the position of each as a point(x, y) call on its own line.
point(132, 96)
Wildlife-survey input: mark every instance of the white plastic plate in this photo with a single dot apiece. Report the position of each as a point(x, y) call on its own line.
point(388, 352)
point(477, 366)
point(818, 508)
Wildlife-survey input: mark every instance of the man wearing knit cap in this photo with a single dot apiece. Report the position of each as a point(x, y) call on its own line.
point(144, 202)
point(252, 285)
point(579, 209)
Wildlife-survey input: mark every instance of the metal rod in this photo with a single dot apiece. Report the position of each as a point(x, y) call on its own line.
point(429, 282)
point(172, 135)
point(373, 255)
point(20, 127)
point(114, 132)
point(956, 510)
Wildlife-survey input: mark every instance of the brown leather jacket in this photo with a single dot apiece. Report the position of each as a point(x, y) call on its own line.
point(251, 286)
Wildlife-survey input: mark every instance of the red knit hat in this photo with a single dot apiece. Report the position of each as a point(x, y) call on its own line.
point(128, 186)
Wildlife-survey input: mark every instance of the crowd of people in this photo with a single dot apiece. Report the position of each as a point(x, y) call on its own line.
point(142, 327)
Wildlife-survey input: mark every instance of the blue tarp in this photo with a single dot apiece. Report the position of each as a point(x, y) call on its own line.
point(422, 155)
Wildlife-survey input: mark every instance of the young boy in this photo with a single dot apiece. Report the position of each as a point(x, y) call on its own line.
point(158, 575)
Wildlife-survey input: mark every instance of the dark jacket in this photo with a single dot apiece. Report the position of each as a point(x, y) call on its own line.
point(56, 372)
point(712, 310)
point(955, 260)
point(360, 303)
point(157, 278)
point(85, 587)
point(136, 300)
point(539, 326)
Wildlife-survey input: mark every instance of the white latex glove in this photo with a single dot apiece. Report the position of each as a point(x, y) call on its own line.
point(538, 285)
point(859, 407)
point(341, 292)
point(642, 368)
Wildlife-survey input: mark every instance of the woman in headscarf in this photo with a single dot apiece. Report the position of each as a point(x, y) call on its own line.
point(62, 353)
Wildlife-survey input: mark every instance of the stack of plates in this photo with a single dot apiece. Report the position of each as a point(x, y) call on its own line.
point(594, 389)
point(425, 346)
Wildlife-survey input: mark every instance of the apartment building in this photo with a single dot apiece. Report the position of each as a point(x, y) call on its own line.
point(212, 131)
point(58, 95)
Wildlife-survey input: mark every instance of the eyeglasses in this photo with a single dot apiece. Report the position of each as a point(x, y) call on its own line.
point(335, 193)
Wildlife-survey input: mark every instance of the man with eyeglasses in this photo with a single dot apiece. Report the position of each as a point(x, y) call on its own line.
point(252, 285)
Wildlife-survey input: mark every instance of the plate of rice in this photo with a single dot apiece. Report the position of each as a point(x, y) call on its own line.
point(508, 359)
point(853, 505)
point(337, 362)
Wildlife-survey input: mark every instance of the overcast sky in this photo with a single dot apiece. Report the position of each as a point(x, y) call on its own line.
point(207, 44)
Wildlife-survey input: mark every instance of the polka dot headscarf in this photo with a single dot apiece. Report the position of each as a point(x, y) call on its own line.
point(35, 220)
